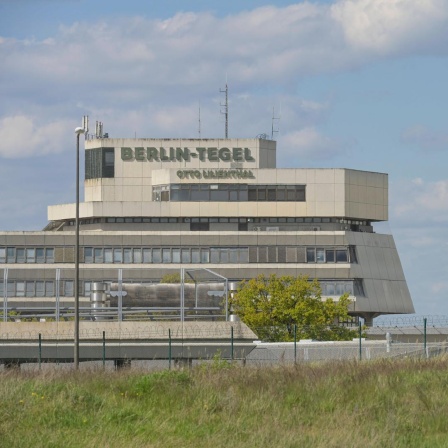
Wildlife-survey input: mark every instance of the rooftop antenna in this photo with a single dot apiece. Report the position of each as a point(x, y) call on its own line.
point(226, 108)
point(273, 130)
point(199, 125)
point(85, 124)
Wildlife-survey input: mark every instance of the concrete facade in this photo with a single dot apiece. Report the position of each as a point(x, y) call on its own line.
point(153, 206)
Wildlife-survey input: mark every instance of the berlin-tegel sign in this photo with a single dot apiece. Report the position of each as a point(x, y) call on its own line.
point(187, 154)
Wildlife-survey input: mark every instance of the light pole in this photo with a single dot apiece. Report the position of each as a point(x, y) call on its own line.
point(78, 132)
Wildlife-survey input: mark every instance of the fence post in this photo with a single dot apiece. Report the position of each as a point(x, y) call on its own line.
point(40, 350)
point(104, 349)
point(231, 341)
point(295, 343)
point(360, 342)
point(424, 336)
point(169, 349)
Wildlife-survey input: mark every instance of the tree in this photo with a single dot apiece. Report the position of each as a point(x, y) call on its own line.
point(273, 306)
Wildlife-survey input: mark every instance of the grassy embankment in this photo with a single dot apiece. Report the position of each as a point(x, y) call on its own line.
point(400, 403)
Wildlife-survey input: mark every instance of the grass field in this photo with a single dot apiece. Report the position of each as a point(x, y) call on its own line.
point(402, 403)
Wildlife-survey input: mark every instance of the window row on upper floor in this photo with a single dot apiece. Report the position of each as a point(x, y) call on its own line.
point(48, 288)
point(228, 192)
point(181, 255)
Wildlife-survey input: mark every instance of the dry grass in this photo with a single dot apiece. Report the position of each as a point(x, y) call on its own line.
point(400, 403)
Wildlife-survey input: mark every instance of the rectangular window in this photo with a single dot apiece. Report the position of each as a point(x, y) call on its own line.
point(147, 258)
point(20, 255)
point(353, 257)
point(214, 255)
point(98, 255)
point(30, 255)
point(68, 288)
point(341, 256)
point(88, 255)
point(40, 289)
point(20, 289)
point(108, 255)
point(49, 254)
point(127, 255)
point(340, 289)
point(175, 254)
point(2, 255)
point(40, 255)
point(87, 288)
point(166, 255)
point(199, 226)
point(137, 256)
point(156, 256)
point(11, 255)
point(320, 255)
point(329, 253)
point(224, 255)
point(118, 255)
point(243, 255)
point(30, 289)
point(186, 256)
point(310, 255)
point(195, 256)
point(49, 289)
point(329, 289)
point(205, 256)
point(233, 255)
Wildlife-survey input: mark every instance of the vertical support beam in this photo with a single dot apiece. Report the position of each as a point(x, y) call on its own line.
point(169, 349)
point(360, 341)
point(424, 337)
point(231, 343)
point(58, 302)
point(182, 294)
point(5, 295)
point(120, 295)
point(295, 343)
point(40, 350)
point(78, 132)
point(104, 349)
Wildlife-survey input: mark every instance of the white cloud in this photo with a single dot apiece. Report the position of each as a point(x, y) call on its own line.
point(418, 201)
point(425, 139)
point(118, 58)
point(21, 136)
point(389, 27)
point(309, 143)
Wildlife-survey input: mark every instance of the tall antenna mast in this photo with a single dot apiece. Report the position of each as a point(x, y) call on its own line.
point(273, 130)
point(226, 108)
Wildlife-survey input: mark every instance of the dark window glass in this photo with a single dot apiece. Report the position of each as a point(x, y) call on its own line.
point(341, 256)
point(281, 193)
point(40, 255)
point(329, 253)
point(199, 226)
point(252, 193)
point(310, 255)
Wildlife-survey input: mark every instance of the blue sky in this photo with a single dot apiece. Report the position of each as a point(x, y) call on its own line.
point(356, 83)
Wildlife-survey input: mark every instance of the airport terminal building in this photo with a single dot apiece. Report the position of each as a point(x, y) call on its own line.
point(154, 206)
